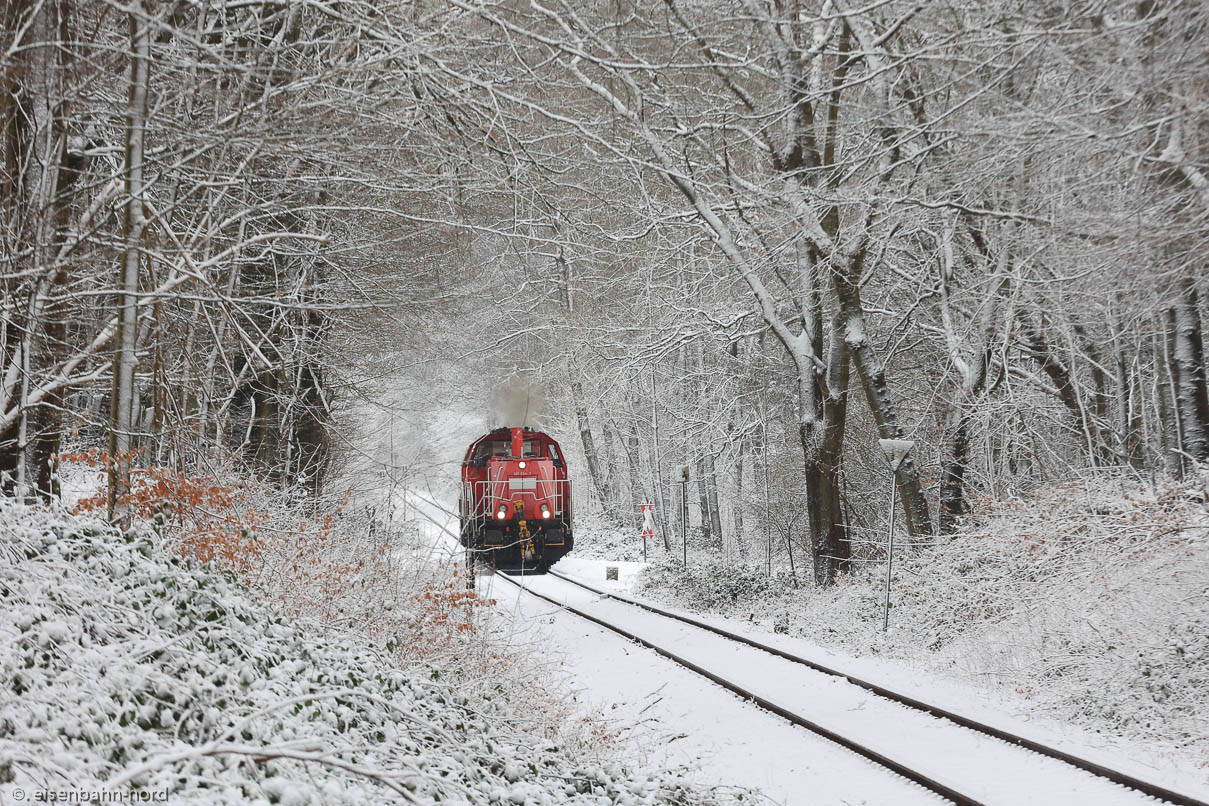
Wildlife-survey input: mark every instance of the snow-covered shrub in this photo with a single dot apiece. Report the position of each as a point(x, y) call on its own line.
point(1089, 601)
point(210, 520)
point(714, 584)
point(125, 663)
point(598, 537)
point(336, 569)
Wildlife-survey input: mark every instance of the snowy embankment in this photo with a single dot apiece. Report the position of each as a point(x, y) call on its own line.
point(125, 665)
point(1086, 605)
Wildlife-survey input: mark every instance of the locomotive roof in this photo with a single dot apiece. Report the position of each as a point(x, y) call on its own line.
point(505, 432)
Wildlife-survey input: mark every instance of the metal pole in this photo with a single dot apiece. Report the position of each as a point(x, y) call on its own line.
point(889, 554)
point(667, 545)
point(684, 519)
point(896, 451)
point(767, 521)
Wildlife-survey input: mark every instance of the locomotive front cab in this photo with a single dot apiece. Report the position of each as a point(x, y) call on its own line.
point(516, 500)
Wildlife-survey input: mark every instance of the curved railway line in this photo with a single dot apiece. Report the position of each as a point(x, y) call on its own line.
point(928, 780)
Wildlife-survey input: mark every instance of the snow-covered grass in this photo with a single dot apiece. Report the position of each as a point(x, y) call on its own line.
point(125, 663)
point(1087, 603)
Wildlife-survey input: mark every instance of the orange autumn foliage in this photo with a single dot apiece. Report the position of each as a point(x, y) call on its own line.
point(213, 522)
point(333, 569)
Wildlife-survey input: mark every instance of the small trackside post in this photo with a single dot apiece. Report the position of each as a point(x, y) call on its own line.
point(682, 472)
point(896, 451)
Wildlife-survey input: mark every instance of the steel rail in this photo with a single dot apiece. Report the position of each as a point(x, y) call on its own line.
point(925, 781)
point(1117, 777)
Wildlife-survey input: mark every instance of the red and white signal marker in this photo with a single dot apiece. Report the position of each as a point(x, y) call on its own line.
point(648, 524)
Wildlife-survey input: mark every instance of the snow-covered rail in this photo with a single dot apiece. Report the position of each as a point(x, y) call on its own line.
point(958, 758)
point(1116, 776)
point(931, 784)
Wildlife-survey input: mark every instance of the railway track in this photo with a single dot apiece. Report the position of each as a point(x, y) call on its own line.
point(932, 780)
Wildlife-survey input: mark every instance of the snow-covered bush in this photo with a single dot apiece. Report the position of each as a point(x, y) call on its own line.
point(1089, 601)
point(714, 584)
point(337, 568)
point(597, 537)
point(127, 664)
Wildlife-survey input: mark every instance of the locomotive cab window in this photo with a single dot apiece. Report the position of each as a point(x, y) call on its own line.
point(558, 460)
point(486, 450)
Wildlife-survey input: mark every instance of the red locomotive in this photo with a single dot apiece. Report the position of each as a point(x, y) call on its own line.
point(516, 501)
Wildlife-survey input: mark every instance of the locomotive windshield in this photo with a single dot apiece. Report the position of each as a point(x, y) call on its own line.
point(488, 449)
point(502, 447)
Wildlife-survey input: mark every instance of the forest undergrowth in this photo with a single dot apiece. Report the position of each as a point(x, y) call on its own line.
point(1085, 603)
point(227, 649)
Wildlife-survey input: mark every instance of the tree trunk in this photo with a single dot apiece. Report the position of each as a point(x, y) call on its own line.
point(1169, 438)
point(952, 476)
point(133, 225)
point(661, 494)
point(823, 449)
point(1173, 379)
point(52, 348)
point(17, 122)
point(1126, 409)
point(711, 488)
point(638, 493)
point(591, 459)
point(881, 405)
point(740, 500)
point(1191, 395)
point(703, 503)
point(1063, 379)
point(607, 458)
point(1100, 397)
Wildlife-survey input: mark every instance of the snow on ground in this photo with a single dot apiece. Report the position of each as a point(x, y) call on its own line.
point(595, 572)
point(663, 715)
point(1078, 619)
point(672, 716)
point(124, 665)
point(895, 675)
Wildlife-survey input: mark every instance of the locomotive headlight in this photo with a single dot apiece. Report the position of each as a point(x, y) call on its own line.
point(521, 465)
point(545, 510)
point(502, 513)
